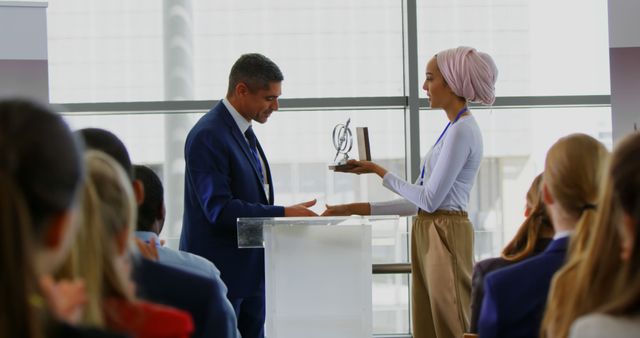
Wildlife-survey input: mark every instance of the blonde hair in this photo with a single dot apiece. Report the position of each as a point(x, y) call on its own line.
point(532, 229)
point(574, 170)
point(588, 277)
point(108, 208)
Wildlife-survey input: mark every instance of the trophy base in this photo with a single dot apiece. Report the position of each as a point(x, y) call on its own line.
point(341, 167)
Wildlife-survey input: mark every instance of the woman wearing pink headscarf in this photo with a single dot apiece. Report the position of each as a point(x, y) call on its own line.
point(442, 235)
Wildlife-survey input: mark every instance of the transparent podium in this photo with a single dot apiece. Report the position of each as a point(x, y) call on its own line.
point(317, 273)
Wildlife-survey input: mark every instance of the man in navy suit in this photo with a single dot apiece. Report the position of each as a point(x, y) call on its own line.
point(227, 176)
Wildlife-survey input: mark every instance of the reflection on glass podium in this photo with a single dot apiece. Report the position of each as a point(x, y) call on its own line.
point(318, 273)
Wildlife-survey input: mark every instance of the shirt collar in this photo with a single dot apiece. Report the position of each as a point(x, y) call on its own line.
point(147, 236)
point(242, 123)
point(562, 234)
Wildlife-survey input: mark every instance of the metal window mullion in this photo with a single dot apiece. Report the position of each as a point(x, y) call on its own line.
point(411, 86)
point(331, 103)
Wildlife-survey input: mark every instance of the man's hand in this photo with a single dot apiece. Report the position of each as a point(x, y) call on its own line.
point(148, 250)
point(300, 210)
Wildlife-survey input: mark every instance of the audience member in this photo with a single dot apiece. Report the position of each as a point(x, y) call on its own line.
point(515, 296)
point(101, 257)
point(532, 238)
point(608, 271)
point(40, 173)
point(151, 214)
point(204, 299)
point(587, 278)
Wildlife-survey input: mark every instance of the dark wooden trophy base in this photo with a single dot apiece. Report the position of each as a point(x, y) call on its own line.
point(341, 167)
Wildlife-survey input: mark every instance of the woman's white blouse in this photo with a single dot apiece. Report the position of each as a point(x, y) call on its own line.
point(597, 325)
point(449, 174)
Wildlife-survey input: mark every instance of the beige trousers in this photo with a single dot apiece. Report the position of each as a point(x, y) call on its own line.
point(441, 262)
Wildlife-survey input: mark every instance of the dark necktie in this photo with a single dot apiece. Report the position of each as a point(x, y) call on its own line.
point(253, 145)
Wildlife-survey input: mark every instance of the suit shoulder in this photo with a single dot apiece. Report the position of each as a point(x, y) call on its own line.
point(537, 266)
point(491, 264)
point(209, 127)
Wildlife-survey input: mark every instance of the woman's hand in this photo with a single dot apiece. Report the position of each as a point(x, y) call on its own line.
point(65, 298)
point(364, 167)
point(347, 209)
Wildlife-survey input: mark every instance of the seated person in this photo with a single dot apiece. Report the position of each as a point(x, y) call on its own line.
point(100, 255)
point(204, 299)
point(515, 296)
point(532, 238)
point(602, 281)
point(40, 175)
point(151, 214)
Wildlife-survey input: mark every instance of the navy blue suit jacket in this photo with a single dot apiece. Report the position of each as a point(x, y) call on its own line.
point(515, 296)
point(202, 297)
point(222, 183)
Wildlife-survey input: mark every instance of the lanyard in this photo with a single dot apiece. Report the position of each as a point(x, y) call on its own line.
point(462, 111)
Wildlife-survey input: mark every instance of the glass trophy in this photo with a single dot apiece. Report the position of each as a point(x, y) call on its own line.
point(343, 142)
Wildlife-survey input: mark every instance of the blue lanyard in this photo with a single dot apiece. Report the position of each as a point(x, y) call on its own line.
point(462, 111)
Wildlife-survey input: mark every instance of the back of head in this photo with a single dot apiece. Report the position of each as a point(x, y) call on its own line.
point(40, 157)
point(535, 226)
point(470, 74)
point(625, 176)
point(625, 173)
point(587, 280)
point(255, 70)
point(110, 144)
point(573, 170)
point(40, 170)
point(151, 208)
point(108, 211)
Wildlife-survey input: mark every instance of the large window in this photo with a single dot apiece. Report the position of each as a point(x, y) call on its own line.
point(331, 48)
point(541, 47)
point(103, 51)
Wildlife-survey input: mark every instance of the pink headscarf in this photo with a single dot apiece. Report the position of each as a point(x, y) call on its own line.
point(469, 73)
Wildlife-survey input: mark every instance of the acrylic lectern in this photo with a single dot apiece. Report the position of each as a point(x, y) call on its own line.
point(317, 273)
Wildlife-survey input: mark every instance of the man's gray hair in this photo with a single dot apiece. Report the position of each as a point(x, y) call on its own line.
point(255, 70)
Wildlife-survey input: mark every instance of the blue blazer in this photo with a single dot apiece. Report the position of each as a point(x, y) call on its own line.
point(515, 296)
point(205, 299)
point(222, 183)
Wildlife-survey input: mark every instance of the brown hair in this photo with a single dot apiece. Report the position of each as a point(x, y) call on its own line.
point(574, 168)
point(586, 280)
point(532, 229)
point(625, 175)
point(40, 171)
point(570, 293)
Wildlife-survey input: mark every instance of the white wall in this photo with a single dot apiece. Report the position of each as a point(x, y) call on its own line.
point(624, 58)
point(23, 50)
